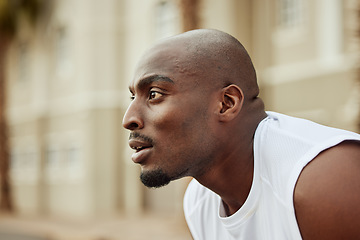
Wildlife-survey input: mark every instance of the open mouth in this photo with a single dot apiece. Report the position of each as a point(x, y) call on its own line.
point(138, 145)
point(142, 150)
point(138, 149)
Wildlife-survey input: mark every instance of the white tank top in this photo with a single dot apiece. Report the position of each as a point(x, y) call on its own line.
point(283, 145)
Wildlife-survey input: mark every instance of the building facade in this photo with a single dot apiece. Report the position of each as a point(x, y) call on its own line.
point(67, 90)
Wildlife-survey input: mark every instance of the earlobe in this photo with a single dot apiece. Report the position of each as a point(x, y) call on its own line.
point(231, 104)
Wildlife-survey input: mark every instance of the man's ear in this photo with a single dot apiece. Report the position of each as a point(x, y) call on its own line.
point(232, 99)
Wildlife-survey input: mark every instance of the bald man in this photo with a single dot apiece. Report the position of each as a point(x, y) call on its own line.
point(195, 111)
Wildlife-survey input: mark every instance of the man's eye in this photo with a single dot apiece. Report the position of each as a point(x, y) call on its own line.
point(132, 97)
point(154, 95)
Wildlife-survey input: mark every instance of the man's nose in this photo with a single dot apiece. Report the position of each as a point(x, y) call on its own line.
point(132, 119)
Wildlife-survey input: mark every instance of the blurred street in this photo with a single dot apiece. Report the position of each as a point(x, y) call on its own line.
point(146, 226)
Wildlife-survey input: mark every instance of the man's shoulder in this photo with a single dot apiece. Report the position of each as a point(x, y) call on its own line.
point(306, 129)
point(300, 136)
point(328, 192)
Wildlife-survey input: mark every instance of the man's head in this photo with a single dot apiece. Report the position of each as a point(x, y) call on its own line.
point(191, 92)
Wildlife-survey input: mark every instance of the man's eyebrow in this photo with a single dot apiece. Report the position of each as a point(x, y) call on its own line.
point(151, 79)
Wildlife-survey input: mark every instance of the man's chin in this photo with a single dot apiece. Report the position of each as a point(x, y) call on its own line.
point(154, 179)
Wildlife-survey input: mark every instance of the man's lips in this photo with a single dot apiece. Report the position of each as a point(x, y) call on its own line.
point(142, 149)
point(139, 145)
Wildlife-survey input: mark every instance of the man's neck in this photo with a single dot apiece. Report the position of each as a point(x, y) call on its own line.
point(232, 178)
point(231, 175)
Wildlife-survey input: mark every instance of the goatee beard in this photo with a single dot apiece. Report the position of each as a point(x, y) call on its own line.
point(155, 179)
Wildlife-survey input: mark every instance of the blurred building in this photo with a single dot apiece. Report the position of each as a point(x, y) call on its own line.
point(67, 90)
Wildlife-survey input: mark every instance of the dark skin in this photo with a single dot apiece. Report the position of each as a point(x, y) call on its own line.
point(196, 106)
point(327, 194)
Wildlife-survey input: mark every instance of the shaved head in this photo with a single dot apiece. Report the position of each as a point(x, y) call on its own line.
point(219, 58)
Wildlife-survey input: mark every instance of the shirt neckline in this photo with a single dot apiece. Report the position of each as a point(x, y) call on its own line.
point(251, 202)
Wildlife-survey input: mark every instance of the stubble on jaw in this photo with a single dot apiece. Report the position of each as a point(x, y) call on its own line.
point(155, 179)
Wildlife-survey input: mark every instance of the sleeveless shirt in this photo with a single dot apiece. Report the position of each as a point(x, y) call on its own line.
point(283, 145)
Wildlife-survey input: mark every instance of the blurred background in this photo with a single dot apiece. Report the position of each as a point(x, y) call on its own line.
point(65, 167)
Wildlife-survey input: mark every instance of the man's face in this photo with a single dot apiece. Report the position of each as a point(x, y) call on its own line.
point(170, 119)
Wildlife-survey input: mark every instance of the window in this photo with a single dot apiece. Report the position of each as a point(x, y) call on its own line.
point(167, 19)
point(24, 166)
point(53, 164)
point(64, 164)
point(53, 159)
point(74, 164)
point(62, 52)
point(15, 159)
point(291, 13)
point(23, 61)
